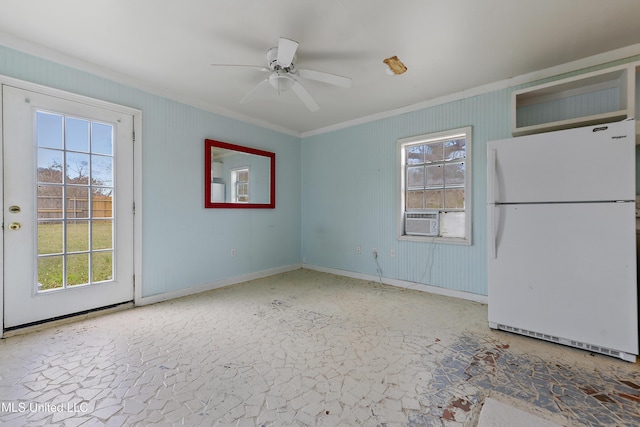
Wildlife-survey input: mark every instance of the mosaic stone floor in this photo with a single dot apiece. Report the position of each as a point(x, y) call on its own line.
point(303, 348)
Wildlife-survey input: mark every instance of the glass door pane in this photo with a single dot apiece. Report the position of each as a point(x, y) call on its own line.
point(76, 187)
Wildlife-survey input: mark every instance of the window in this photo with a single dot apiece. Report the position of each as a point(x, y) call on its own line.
point(240, 185)
point(75, 191)
point(435, 187)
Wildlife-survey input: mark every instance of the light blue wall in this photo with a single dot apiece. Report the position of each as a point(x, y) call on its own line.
point(185, 245)
point(259, 184)
point(350, 192)
point(335, 191)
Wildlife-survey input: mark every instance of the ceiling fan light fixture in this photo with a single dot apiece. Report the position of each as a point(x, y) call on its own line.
point(284, 75)
point(280, 82)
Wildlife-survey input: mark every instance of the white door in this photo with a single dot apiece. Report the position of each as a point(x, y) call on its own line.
point(68, 207)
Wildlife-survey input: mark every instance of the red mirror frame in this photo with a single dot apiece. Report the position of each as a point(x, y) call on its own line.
point(208, 145)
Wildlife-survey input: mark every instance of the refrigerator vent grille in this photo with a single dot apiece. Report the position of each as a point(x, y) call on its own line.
point(595, 348)
point(529, 333)
point(577, 344)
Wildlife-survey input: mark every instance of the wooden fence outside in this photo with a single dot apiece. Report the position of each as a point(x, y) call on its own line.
point(76, 207)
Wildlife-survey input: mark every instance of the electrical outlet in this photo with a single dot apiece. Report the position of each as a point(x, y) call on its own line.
point(233, 252)
point(375, 252)
point(358, 250)
point(393, 253)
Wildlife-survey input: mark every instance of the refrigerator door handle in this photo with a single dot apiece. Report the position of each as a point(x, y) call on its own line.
point(491, 199)
point(492, 231)
point(491, 175)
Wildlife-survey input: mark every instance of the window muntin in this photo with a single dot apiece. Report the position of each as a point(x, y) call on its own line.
point(75, 190)
point(435, 176)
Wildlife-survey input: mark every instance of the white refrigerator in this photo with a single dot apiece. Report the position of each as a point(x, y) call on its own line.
point(562, 241)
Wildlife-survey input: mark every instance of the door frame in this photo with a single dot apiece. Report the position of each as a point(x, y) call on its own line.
point(137, 174)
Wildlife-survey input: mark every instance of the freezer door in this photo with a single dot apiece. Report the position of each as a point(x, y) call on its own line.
point(566, 270)
point(586, 164)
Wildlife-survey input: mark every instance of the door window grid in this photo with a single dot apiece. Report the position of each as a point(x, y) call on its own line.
point(75, 201)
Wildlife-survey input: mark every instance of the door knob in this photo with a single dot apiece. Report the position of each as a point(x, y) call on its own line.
point(14, 226)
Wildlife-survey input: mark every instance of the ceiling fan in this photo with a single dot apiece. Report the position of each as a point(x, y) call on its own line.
point(284, 74)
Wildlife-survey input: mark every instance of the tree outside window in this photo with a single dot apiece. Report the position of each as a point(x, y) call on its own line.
point(435, 178)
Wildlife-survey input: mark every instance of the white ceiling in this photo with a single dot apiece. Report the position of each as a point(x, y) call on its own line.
point(448, 46)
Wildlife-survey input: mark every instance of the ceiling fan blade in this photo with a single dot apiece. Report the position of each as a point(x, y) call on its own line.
point(304, 96)
point(286, 51)
point(255, 67)
point(332, 79)
point(248, 96)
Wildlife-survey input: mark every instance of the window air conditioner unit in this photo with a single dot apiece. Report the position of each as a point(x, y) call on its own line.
point(422, 223)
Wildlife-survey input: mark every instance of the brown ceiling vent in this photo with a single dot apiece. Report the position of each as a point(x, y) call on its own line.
point(395, 65)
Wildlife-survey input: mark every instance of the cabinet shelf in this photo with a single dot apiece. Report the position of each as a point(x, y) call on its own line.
point(584, 100)
point(573, 123)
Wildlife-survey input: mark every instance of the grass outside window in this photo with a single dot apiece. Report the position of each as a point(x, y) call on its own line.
point(51, 258)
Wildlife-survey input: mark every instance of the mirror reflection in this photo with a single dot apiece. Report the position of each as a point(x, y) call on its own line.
point(238, 176)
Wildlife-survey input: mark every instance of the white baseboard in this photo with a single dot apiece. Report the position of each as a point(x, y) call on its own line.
point(402, 284)
point(214, 285)
point(266, 273)
point(271, 272)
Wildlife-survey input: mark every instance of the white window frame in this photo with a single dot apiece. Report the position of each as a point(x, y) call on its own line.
point(234, 183)
point(402, 143)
